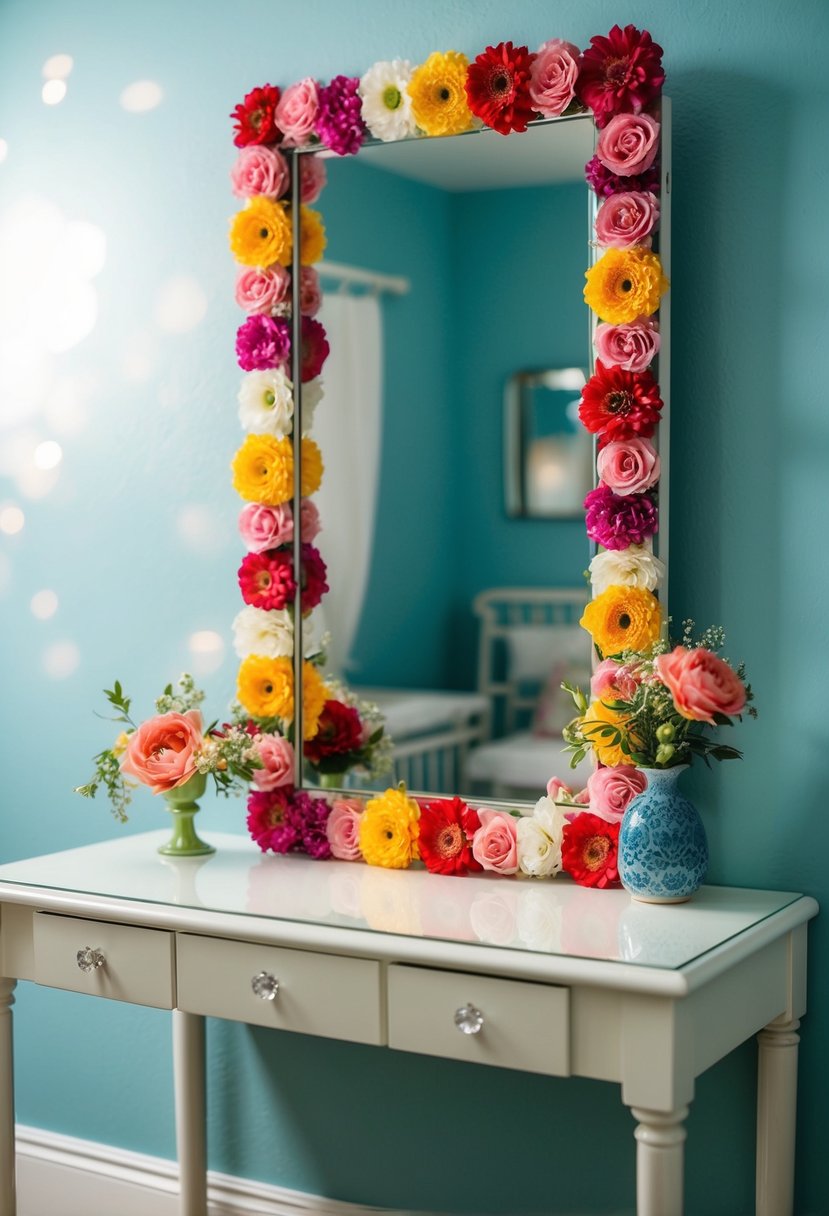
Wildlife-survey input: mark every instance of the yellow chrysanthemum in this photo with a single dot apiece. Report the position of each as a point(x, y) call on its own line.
point(120, 745)
point(389, 830)
point(608, 751)
point(625, 284)
point(260, 234)
point(263, 470)
point(312, 467)
point(623, 618)
point(438, 92)
point(312, 240)
point(314, 696)
point(265, 688)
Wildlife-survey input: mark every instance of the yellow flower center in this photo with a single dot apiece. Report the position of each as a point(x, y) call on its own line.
point(450, 840)
point(596, 851)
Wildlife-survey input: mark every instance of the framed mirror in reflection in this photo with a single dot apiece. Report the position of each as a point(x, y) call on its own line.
point(548, 456)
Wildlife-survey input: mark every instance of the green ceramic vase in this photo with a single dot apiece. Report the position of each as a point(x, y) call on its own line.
point(182, 805)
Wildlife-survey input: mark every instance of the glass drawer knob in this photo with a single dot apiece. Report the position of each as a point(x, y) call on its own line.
point(265, 985)
point(89, 959)
point(469, 1020)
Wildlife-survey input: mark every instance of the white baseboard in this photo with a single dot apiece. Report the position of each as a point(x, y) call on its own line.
point(63, 1176)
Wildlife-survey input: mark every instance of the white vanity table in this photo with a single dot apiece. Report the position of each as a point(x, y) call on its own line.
point(546, 977)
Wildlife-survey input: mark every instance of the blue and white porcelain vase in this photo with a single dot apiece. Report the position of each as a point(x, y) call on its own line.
point(663, 853)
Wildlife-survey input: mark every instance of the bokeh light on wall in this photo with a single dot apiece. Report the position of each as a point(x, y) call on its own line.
point(141, 96)
point(4, 150)
point(202, 528)
point(48, 455)
point(181, 305)
point(60, 660)
point(57, 67)
point(53, 92)
point(12, 519)
point(44, 604)
point(207, 651)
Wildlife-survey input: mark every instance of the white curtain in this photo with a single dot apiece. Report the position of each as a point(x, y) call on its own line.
point(347, 426)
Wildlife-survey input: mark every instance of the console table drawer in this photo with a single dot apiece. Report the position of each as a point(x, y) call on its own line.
point(320, 994)
point(522, 1025)
point(123, 962)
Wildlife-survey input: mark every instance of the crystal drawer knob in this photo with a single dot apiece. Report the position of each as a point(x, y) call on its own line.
point(89, 959)
point(469, 1020)
point(265, 985)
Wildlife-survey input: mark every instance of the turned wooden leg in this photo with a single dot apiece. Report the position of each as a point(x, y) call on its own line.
point(660, 1153)
point(191, 1136)
point(776, 1115)
point(7, 1188)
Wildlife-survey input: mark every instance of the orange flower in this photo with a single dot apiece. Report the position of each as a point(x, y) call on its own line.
point(623, 618)
point(625, 284)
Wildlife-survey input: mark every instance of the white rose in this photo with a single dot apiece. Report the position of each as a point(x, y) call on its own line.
point(266, 403)
point(312, 394)
point(635, 566)
point(387, 107)
point(539, 919)
point(539, 839)
point(270, 633)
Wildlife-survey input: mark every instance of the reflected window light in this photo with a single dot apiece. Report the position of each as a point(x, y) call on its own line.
point(207, 650)
point(53, 92)
point(44, 604)
point(58, 67)
point(48, 455)
point(60, 660)
point(12, 519)
point(140, 96)
point(4, 150)
point(181, 305)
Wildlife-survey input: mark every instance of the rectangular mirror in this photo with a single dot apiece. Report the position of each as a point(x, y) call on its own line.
point(548, 455)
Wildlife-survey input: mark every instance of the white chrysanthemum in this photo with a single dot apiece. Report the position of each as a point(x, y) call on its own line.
point(539, 838)
point(635, 566)
point(312, 394)
point(266, 403)
point(387, 107)
point(256, 631)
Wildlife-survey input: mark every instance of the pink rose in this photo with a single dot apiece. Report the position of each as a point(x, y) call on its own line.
point(161, 752)
point(553, 76)
point(627, 219)
point(611, 789)
point(262, 291)
point(296, 112)
point(313, 176)
point(277, 756)
point(343, 828)
point(310, 293)
point(701, 683)
point(309, 521)
point(628, 466)
point(556, 787)
point(632, 347)
point(264, 527)
point(612, 681)
point(494, 845)
point(628, 144)
point(260, 170)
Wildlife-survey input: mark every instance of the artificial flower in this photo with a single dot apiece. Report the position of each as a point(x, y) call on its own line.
point(623, 618)
point(266, 814)
point(254, 117)
point(161, 752)
point(616, 404)
point(495, 844)
point(263, 289)
point(447, 829)
point(339, 122)
point(589, 852)
point(612, 790)
point(701, 684)
point(387, 106)
point(296, 112)
point(627, 219)
point(389, 830)
point(266, 403)
point(263, 469)
point(276, 755)
point(553, 77)
point(539, 839)
point(617, 521)
point(262, 342)
point(607, 743)
point(632, 347)
point(498, 87)
point(266, 579)
point(620, 73)
point(343, 828)
point(310, 292)
point(629, 144)
point(259, 170)
point(269, 633)
point(314, 572)
point(313, 176)
point(628, 466)
point(604, 183)
point(438, 92)
point(260, 234)
point(339, 732)
point(625, 284)
point(265, 688)
point(635, 566)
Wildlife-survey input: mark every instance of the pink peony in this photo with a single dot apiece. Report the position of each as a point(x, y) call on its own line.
point(611, 789)
point(494, 845)
point(343, 829)
point(632, 347)
point(262, 291)
point(616, 521)
point(628, 466)
point(161, 752)
point(629, 143)
point(296, 112)
point(313, 177)
point(627, 219)
point(612, 681)
point(701, 684)
point(260, 170)
point(310, 293)
point(277, 756)
point(553, 77)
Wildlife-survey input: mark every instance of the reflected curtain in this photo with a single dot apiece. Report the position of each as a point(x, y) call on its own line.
point(347, 426)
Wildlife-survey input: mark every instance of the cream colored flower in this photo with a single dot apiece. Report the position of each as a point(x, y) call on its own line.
point(635, 566)
point(266, 403)
point(539, 840)
point(387, 106)
point(270, 633)
point(312, 394)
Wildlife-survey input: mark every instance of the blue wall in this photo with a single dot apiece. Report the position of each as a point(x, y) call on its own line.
point(750, 446)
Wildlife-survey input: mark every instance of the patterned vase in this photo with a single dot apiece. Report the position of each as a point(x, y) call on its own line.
point(182, 805)
point(663, 853)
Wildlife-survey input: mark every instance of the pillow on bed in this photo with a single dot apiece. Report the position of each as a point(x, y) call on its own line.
point(533, 649)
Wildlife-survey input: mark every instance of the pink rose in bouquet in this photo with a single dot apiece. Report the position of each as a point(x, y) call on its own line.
point(627, 219)
point(629, 143)
point(161, 752)
point(628, 466)
point(313, 177)
point(613, 681)
point(277, 756)
point(262, 291)
point(553, 77)
point(632, 347)
point(701, 684)
point(494, 845)
point(343, 828)
point(259, 170)
point(296, 112)
point(612, 789)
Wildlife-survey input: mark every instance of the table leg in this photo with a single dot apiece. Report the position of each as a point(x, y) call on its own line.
point(191, 1136)
point(7, 1187)
point(660, 1152)
point(776, 1116)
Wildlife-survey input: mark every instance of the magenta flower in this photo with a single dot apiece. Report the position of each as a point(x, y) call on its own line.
point(314, 573)
point(339, 120)
point(308, 817)
point(604, 183)
point(620, 74)
point(267, 810)
point(315, 348)
point(262, 342)
point(616, 521)
point(266, 580)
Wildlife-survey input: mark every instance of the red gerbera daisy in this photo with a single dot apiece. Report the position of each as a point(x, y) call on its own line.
point(339, 732)
point(447, 826)
point(267, 579)
point(498, 87)
point(620, 74)
point(254, 118)
point(589, 851)
point(616, 404)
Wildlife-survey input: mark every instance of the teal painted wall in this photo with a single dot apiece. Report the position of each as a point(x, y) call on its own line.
point(750, 447)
